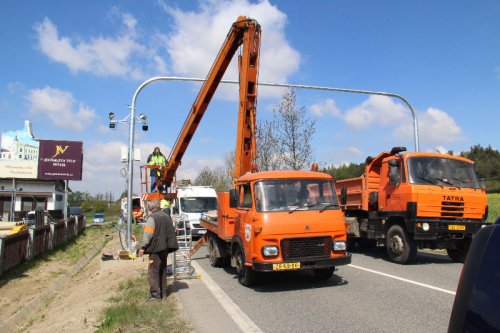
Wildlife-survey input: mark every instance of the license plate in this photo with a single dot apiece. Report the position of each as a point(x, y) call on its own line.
point(202, 232)
point(286, 266)
point(456, 227)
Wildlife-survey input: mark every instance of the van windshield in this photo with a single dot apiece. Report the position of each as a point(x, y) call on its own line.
point(442, 171)
point(198, 204)
point(291, 195)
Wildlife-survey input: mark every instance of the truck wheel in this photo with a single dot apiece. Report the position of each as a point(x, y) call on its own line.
point(459, 253)
point(400, 247)
point(324, 273)
point(216, 260)
point(246, 276)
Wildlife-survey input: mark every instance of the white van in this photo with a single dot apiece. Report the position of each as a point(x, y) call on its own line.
point(191, 202)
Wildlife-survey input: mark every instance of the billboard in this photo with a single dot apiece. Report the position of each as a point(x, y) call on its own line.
point(19, 154)
point(60, 160)
point(24, 157)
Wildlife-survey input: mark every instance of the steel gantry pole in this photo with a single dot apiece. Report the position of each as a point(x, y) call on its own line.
point(282, 85)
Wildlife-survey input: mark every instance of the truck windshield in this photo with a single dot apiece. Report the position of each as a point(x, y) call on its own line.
point(293, 195)
point(442, 171)
point(198, 204)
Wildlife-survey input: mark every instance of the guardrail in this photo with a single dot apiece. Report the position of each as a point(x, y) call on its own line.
point(27, 244)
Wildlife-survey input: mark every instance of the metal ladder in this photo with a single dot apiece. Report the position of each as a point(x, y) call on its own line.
point(182, 268)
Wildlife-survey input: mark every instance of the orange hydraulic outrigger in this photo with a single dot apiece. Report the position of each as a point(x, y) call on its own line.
point(244, 32)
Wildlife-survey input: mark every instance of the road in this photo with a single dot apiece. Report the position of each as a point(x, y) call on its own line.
point(370, 295)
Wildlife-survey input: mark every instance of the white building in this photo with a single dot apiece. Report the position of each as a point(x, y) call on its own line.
point(30, 194)
point(19, 151)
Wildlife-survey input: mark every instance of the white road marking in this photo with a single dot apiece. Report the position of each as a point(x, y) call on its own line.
point(240, 318)
point(403, 279)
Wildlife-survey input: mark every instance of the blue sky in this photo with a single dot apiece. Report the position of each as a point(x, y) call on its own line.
point(64, 65)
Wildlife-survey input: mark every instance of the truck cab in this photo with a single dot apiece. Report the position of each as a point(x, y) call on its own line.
point(190, 204)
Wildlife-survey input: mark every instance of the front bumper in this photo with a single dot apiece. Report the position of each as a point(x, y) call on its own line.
point(443, 229)
point(305, 264)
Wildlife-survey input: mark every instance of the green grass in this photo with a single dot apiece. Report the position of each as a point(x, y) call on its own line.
point(493, 206)
point(130, 312)
point(71, 251)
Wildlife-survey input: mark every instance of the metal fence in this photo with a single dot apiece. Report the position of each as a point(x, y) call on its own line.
point(27, 244)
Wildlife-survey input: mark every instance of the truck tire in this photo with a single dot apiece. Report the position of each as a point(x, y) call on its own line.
point(246, 276)
point(401, 248)
point(324, 273)
point(459, 253)
point(214, 253)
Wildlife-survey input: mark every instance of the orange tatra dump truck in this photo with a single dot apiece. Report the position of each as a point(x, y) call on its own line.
point(414, 200)
point(275, 221)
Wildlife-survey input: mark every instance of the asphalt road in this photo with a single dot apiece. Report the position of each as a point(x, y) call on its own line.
point(370, 295)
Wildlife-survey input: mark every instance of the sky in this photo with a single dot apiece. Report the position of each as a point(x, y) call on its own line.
point(65, 65)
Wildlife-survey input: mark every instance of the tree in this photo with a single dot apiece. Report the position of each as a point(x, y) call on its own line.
point(76, 198)
point(206, 177)
point(268, 152)
point(487, 161)
point(345, 171)
point(293, 132)
point(220, 177)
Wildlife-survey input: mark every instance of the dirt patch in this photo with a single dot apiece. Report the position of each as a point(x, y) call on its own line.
point(76, 306)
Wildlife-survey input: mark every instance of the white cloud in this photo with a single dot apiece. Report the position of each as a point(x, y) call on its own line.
point(60, 107)
point(198, 36)
point(326, 107)
point(104, 56)
point(355, 151)
point(380, 110)
point(435, 127)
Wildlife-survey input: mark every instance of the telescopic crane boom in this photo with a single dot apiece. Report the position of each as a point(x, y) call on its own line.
point(244, 32)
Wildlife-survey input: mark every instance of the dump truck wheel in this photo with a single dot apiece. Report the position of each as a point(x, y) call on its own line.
point(400, 247)
point(324, 273)
point(459, 253)
point(246, 276)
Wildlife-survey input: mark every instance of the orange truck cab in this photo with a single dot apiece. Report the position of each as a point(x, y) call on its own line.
point(276, 221)
point(415, 200)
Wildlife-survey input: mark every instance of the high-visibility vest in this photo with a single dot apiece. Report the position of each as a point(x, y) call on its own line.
point(165, 203)
point(159, 160)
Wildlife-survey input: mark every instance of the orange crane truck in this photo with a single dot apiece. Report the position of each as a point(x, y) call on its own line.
point(270, 221)
point(275, 221)
point(414, 200)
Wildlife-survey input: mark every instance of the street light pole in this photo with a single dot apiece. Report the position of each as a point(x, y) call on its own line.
point(284, 85)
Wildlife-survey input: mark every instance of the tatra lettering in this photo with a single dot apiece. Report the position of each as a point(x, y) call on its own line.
point(452, 198)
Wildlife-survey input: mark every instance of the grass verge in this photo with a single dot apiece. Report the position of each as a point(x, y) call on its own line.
point(493, 206)
point(130, 312)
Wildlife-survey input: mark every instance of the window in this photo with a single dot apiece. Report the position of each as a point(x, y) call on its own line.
point(198, 204)
point(297, 194)
point(245, 196)
point(441, 171)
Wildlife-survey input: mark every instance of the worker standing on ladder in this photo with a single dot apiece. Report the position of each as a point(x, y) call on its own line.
point(158, 159)
point(159, 240)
